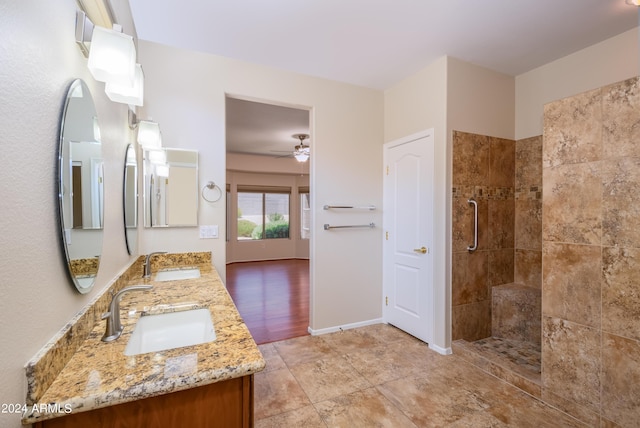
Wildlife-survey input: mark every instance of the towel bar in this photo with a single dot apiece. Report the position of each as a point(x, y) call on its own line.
point(329, 227)
point(368, 207)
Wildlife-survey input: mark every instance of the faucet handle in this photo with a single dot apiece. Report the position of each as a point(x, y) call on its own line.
point(147, 263)
point(114, 327)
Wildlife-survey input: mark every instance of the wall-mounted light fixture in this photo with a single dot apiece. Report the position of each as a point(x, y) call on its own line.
point(632, 2)
point(158, 160)
point(157, 156)
point(149, 136)
point(99, 12)
point(112, 60)
point(96, 130)
point(162, 170)
point(132, 95)
point(112, 57)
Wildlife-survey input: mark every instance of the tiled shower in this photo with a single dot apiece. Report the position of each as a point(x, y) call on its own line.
point(496, 289)
point(567, 234)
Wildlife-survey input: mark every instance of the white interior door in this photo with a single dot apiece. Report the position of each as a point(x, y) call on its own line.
point(408, 225)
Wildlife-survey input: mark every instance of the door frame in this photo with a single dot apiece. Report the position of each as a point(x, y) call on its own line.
point(385, 219)
point(312, 173)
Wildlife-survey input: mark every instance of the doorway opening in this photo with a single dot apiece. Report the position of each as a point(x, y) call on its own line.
point(268, 216)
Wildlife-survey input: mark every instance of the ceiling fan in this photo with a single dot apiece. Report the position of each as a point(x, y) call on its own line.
point(301, 151)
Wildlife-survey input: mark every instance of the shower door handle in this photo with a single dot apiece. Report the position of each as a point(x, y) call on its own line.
point(472, 248)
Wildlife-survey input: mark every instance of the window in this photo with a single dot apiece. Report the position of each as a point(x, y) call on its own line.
point(305, 213)
point(263, 213)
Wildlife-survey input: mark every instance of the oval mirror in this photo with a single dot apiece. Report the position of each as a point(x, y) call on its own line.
point(130, 201)
point(81, 186)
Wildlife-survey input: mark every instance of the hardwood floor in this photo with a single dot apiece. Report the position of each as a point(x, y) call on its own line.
point(272, 297)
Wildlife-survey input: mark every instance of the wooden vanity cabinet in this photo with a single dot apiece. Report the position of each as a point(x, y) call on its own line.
point(224, 404)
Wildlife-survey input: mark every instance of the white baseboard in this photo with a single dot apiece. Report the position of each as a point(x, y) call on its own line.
point(439, 350)
point(344, 327)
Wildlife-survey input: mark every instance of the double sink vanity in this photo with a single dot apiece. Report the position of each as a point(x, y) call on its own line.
point(163, 345)
point(184, 357)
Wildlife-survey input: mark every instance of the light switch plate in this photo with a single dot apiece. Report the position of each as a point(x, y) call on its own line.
point(209, 232)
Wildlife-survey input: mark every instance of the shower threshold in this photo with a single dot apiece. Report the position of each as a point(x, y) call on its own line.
point(513, 361)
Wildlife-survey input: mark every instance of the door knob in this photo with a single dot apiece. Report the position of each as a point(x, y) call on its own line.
point(422, 250)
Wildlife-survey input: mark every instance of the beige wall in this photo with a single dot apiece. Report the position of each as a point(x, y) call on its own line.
point(612, 60)
point(186, 95)
point(479, 100)
point(38, 62)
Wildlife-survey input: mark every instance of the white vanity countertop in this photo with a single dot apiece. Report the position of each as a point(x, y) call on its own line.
point(100, 375)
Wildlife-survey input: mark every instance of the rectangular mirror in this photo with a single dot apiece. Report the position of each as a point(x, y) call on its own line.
point(170, 192)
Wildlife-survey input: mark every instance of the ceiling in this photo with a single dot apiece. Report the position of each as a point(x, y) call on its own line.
point(265, 129)
point(377, 43)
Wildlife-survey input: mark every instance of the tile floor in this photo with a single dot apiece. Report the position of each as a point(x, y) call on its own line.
point(378, 376)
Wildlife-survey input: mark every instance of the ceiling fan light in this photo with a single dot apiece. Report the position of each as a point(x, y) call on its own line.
point(301, 156)
point(301, 152)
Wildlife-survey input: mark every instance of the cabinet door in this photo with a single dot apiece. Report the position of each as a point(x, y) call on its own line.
point(223, 404)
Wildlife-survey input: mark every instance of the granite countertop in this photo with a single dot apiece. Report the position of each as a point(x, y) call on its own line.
point(100, 375)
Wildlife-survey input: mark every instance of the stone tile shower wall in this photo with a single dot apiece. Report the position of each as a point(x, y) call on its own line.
point(528, 222)
point(516, 307)
point(483, 168)
point(591, 255)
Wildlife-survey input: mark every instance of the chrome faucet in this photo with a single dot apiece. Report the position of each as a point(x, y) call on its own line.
point(114, 327)
point(147, 263)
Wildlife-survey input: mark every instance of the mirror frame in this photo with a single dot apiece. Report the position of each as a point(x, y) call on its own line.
point(130, 157)
point(83, 281)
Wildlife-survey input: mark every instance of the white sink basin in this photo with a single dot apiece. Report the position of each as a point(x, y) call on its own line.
point(177, 274)
point(170, 330)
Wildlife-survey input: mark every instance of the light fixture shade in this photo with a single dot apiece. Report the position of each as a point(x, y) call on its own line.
point(112, 57)
point(162, 170)
point(149, 136)
point(301, 156)
point(157, 156)
point(132, 95)
point(301, 153)
point(96, 130)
